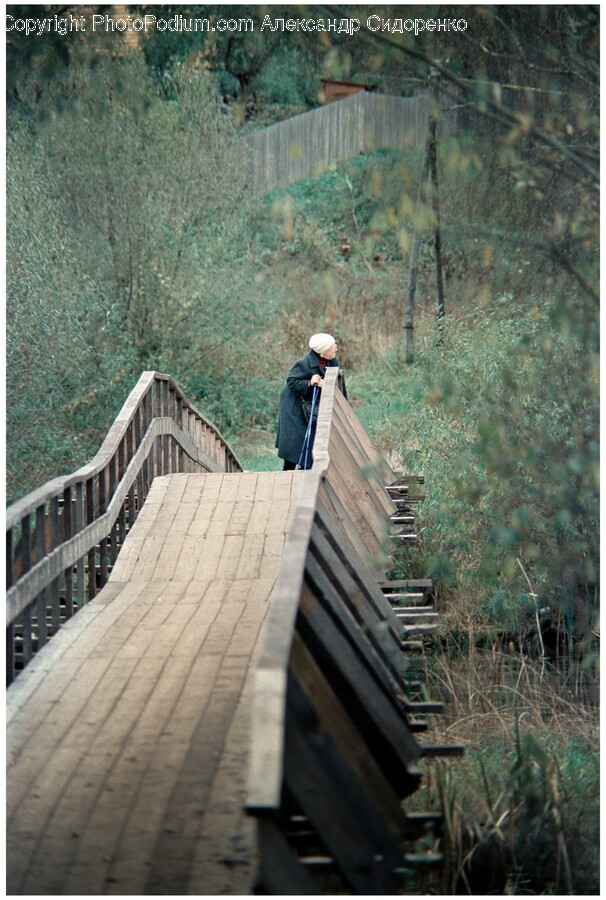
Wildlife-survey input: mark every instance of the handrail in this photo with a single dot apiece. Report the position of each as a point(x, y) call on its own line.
point(269, 699)
point(331, 737)
point(64, 537)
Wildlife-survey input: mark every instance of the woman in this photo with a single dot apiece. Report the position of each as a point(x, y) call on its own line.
point(306, 372)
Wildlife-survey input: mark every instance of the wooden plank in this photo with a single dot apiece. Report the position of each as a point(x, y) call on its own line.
point(10, 554)
point(424, 706)
point(280, 872)
point(357, 514)
point(267, 740)
point(10, 654)
point(329, 580)
point(413, 618)
point(351, 562)
point(381, 467)
point(376, 712)
point(443, 750)
point(409, 630)
point(370, 498)
point(265, 774)
point(331, 501)
point(400, 493)
point(335, 721)
point(417, 725)
point(365, 848)
point(415, 611)
point(39, 609)
point(406, 583)
point(388, 668)
point(348, 442)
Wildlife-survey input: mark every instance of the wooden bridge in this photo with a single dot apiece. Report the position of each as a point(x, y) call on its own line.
point(236, 706)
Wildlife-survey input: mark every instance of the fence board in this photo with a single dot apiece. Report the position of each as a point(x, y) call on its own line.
point(310, 143)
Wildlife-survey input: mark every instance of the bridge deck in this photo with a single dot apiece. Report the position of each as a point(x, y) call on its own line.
point(127, 740)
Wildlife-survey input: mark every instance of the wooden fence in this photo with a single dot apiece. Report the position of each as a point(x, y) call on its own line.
point(63, 539)
point(310, 143)
point(335, 716)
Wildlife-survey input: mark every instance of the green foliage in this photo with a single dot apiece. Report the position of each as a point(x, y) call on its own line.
point(521, 807)
point(155, 232)
point(287, 80)
point(132, 242)
point(501, 416)
point(127, 251)
point(522, 819)
point(54, 317)
point(190, 277)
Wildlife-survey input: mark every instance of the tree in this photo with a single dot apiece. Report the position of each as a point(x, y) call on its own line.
point(151, 187)
point(138, 225)
point(54, 320)
point(531, 74)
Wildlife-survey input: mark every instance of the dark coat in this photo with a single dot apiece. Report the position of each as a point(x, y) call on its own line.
point(291, 423)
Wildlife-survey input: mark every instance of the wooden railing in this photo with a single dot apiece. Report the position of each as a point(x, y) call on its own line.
point(336, 709)
point(63, 539)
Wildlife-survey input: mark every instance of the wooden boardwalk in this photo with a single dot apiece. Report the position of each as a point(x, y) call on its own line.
point(127, 746)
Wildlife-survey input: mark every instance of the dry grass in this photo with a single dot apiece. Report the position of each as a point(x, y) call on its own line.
point(487, 692)
point(521, 808)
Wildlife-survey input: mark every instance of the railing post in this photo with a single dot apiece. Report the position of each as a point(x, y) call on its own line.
point(67, 534)
point(90, 518)
point(26, 652)
point(55, 588)
point(130, 452)
point(10, 549)
point(10, 630)
point(103, 560)
point(157, 454)
point(111, 476)
point(78, 525)
point(148, 465)
point(40, 553)
point(10, 653)
point(179, 420)
point(121, 463)
point(26, 545)
point(138, 435)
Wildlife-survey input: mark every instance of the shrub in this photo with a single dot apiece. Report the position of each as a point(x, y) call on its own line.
point(502, 419)
point(287, 80)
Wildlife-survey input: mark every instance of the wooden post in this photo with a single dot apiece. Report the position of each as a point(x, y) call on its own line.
point(408, 346)
point(435, 203)
point(40, 552)
point(78, 526)
point(67, 533)
point(90, 518)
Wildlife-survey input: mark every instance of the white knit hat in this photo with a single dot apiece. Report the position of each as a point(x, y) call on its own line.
point(321, 342)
